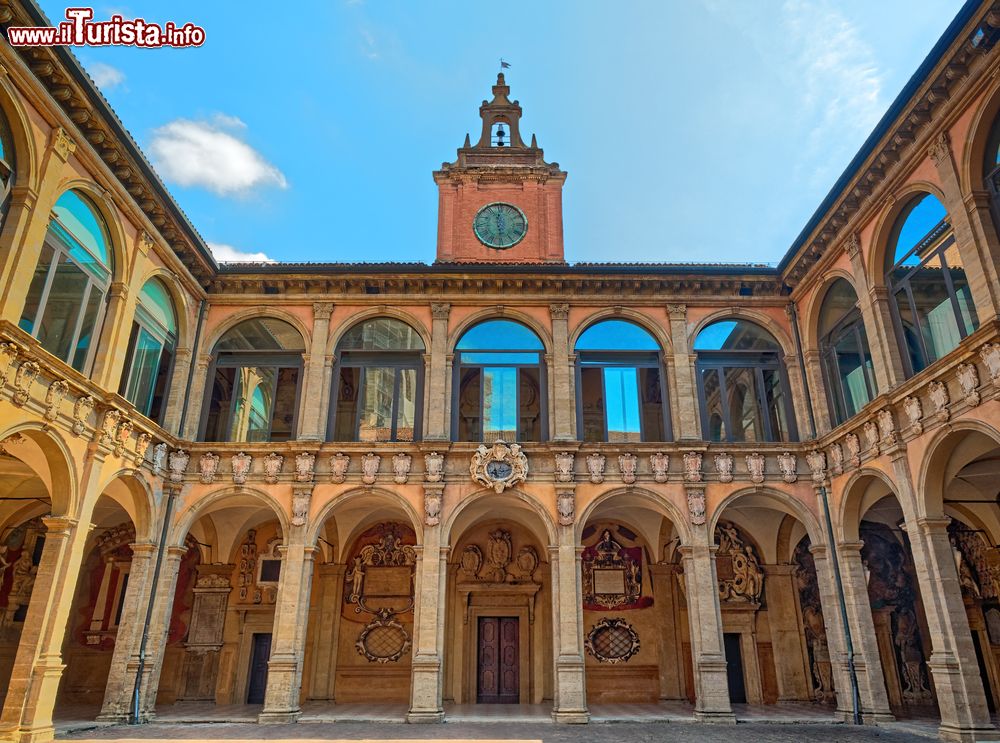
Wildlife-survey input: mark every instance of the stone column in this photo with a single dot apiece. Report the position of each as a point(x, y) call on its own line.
point(178, 390)
point(108, 367)
point(438, 425)
point(818, 391)
point(314, 416)
point(671, 666)
point(563, 405)
point(867, 662)
point(38, 666)
point(288, 639)
point(687, 424)
point(701, 588)
point(836, 640)
point(878, 323)
point(200, 386)
point(791, 656)
point(977, 204)
point(957, 683)
point(159, 630)
point(25, 226)
point(426, 681)
point(326, 642)
point(125, 659)
point(570, 700)
point(981, 271)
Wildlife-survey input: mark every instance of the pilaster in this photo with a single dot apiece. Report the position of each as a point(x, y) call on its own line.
point(313, 413)
point(428, 622)
point(687, 424)
point(563, 405)
point(570, 700)
point(438, 426)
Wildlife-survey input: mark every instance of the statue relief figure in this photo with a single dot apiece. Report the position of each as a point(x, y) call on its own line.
point(498, 552)
point(23, 576)
point(356, 577)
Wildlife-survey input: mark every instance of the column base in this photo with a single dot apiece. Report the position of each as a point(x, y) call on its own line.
point(715, 718)
point(571, 717)
point(967, 735)
point(874, 718)
point(278, 718)
point(421, 717)
point(36, 735)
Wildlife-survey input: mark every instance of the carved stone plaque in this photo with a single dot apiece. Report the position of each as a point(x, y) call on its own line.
point(609, 581)
point(385, 581)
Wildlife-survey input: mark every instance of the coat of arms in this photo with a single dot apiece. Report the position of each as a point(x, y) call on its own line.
point(499, 466)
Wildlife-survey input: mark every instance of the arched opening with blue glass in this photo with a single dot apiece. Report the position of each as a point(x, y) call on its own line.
point(499, 389)
point(7, 165)
point(991, 170)
point(377, 383)
point(66, 298)
point(151, 351)
point(256, 378)
point(932, 304)
point(742, 385)
point(843, 345)
point(622, 391)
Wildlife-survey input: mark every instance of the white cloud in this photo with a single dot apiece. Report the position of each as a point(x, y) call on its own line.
point(203, 153)
point(228, 254)
point(368, 45)
point(105, 76)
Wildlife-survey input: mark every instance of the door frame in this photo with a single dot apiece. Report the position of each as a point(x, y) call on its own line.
point(258, 619)
point(253, 647)
point(471, 644)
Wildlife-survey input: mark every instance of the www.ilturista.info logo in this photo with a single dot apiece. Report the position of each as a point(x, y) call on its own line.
point(80, 29)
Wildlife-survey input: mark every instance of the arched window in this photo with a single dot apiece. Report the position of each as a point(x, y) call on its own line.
point(622, 392)
point(151, 351)
point(931, 301)
point(499, 384)
point(843, 345)
point(255, 383)
point(742, 386)
point(377, 383)
point(66, 297)
point(991, 170)
point(7, 165)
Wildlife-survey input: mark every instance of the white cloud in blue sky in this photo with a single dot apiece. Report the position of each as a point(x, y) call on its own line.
point(207, 154)
point(228, 254)
point(105, 76)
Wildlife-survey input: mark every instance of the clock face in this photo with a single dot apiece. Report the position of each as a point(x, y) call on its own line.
point(500, 225)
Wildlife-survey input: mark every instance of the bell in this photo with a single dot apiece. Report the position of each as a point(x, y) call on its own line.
point(500, 135)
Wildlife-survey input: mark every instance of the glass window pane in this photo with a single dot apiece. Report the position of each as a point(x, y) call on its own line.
point(143, 371)
point(88, 327)
point(851, 361)
point(529, 406)
point(254, 400)
point(376, 404)
point(735, 335)
point(616, 335)
point(216, 424)
point(592, 403)
point(381, 334)
point(347, 401)
point(83, 222)
point(651, 398)
point(30, 313)
point(774, 397)
point(741, 390)
point(938, 324)
point(911, 330)
point(499, 404)
point(499, 335)
point(956, 270)
point(155, 300)
point(406, 411)
point(469, 410)
point(621, 393)
point(285, 403)
point(62, 309)
point(714, 412)
point(161, 385)
point(261, 334)
point(839, 304)
point(525, 359)
point(918, 219)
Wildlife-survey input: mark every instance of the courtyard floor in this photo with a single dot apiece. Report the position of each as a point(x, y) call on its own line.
point(486, 732)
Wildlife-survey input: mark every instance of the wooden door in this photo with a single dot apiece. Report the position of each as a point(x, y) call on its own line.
point(259, 656)
point(734, 668)
point(497, 672)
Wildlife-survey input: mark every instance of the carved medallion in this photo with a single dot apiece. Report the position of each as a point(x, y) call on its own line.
point(612, 641)
point(499, 466)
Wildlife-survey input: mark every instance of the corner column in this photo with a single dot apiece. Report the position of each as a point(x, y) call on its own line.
point(429, 616)
point(437, 404)
point(570, 700)
point(701, 588)
point(284, 669)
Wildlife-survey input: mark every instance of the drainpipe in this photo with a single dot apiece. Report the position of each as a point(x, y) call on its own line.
point(834, 559)
point(135, 717)
point(191, 367)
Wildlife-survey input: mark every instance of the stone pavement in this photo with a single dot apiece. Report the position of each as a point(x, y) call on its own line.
point(487, 732)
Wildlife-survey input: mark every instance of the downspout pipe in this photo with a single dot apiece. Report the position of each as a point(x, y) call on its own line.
point(135, 717)
point(834, 558)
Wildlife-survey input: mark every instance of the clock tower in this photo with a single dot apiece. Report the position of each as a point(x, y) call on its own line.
point(500, 202)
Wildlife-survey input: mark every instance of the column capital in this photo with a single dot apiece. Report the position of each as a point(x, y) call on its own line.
point(118, 290)
point(851, 546)
point(58, 525)
point(559, 311)
point(322, 310)
point(143, 549)
point(677, 311)
point(929, 524)
point(440, 310)
point(939, 149)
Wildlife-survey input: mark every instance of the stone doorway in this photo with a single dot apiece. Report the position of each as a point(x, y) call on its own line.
point(261, 653)
point(734, 668)
point(498, 666)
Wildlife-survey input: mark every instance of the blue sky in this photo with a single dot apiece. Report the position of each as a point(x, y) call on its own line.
point(692, 130)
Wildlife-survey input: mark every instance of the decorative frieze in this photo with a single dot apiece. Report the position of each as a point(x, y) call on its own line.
point(564, 466)
point(401, 468)
point(109, 425)
point(122, 436)
point(755, 467)
point(208, 467)
point(914, 414)
point(241, 468)
point(369, 468)
point(696, 505)
point(692, 466)
point(659, 463)
point(272, 467)
point(8, 355)
point(566, 506)
point(301, 499)
point(433, 467)
point(498, 564)
point(816, 460)
point(54, 397)
point(968, 380)
point(627, 464)
point(339, 463)
point(886, 428)
point(871, 434)
point(432, 504)
point(788, 466)
point(81, 411)
point(853, 445)
point(178, 462)
point(990, 354)
point(938, 393)
point(23, 380)
point(159, 458)
point(836, 459)
point(724, 466)
point(142, 443)
point(305, 467)
point(595, 466)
